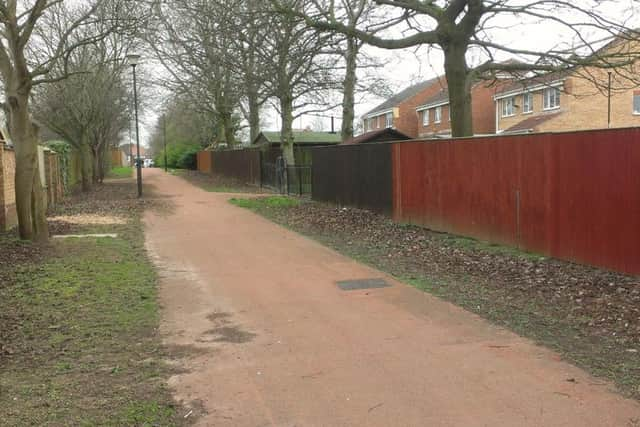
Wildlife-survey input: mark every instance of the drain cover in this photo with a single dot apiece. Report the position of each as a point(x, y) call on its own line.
point(352, 285)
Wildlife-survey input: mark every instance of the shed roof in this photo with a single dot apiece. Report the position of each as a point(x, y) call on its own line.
point(302, 137)
point(381, 135)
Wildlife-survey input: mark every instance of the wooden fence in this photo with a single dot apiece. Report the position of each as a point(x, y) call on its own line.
point(242, 165)
point(574, 196)
point(354, 175)
point(204, 161)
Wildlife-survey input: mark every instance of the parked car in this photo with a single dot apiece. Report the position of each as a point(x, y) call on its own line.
point(148, 163)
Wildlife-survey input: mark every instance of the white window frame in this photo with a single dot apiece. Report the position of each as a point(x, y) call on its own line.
point(550, 94)
point(388, 119)
point(437, 117)
point(508, 106)
point(449, 111)
point(527, 107)
point(635, 95)
point(425, 118)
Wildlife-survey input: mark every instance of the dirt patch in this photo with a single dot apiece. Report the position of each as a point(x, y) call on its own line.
point(230, 334)
point(219, 317)
point(590, 315)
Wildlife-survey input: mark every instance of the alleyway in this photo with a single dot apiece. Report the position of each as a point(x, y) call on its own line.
point(264, 337)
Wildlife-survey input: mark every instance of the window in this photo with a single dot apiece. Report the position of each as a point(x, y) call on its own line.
point(425, 118)
point(389, 120)
point(508, 107)
point(527, 102)
point(551, 97)
point(437, 118)
point(372, 123)
point(636, 102)
point(449, 112)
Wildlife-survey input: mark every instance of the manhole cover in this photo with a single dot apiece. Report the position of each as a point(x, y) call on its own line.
point(351, 285)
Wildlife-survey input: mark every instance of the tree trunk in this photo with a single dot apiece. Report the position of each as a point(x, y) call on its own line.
point(457, 73)
point(86, 162)
point(286, 133)
point(254, 114)
point(227, 123)
point(32, 223)
point(348, 97)
point(95, 157)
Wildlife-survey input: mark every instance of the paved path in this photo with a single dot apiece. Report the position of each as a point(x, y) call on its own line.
point(267, 339)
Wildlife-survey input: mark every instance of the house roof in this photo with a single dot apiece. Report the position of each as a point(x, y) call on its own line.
point(403, 95)
point(530, 123)
point(302, 137)
point(545, 79)
point(442, 97)
point(381, 135)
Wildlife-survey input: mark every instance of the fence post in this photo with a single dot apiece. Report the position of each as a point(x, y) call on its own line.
point(260, 167)
point(299, 181)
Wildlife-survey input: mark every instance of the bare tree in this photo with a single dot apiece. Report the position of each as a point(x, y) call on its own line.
point(193, 43)
point(302, 61)
point(458, 27)
point(31, 50)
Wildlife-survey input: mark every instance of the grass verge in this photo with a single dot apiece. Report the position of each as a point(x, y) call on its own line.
point(121, 172)
point(80, 344)
point(590, 316)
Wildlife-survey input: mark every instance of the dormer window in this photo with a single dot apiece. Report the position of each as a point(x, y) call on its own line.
point(437, 115)
point(508, 107)
point(551, 96)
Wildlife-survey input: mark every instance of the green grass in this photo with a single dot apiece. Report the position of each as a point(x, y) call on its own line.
point(475, 244)
point(121, 172)
point(85, 346)
point(270, 202)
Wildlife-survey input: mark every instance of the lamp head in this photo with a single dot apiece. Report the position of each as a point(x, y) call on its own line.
point(133, 59)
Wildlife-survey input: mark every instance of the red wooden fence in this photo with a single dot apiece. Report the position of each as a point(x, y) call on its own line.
point(204, 160)
point(573, 196)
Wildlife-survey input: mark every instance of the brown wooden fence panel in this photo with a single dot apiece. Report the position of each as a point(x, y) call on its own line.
point(243, 165)
point(353, 175)
point(204, 161)
point(574, 196)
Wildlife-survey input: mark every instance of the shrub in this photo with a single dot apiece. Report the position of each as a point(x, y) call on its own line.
point(189, 158)
point(180, 156)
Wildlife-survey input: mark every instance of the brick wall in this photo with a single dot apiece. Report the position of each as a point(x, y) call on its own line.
point(482, 107)
point(8, 213)
point(583, 106)
point(409, 119)
point(405, 117)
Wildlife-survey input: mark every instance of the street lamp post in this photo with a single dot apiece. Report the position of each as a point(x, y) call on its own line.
point(164, 138)
point(133, 61)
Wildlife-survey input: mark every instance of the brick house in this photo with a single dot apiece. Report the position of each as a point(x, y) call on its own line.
point(567, 101)
point(434, 118)
point(399, 111)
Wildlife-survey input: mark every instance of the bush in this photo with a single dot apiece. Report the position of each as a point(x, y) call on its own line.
point(189, 159)
point(179, 156)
